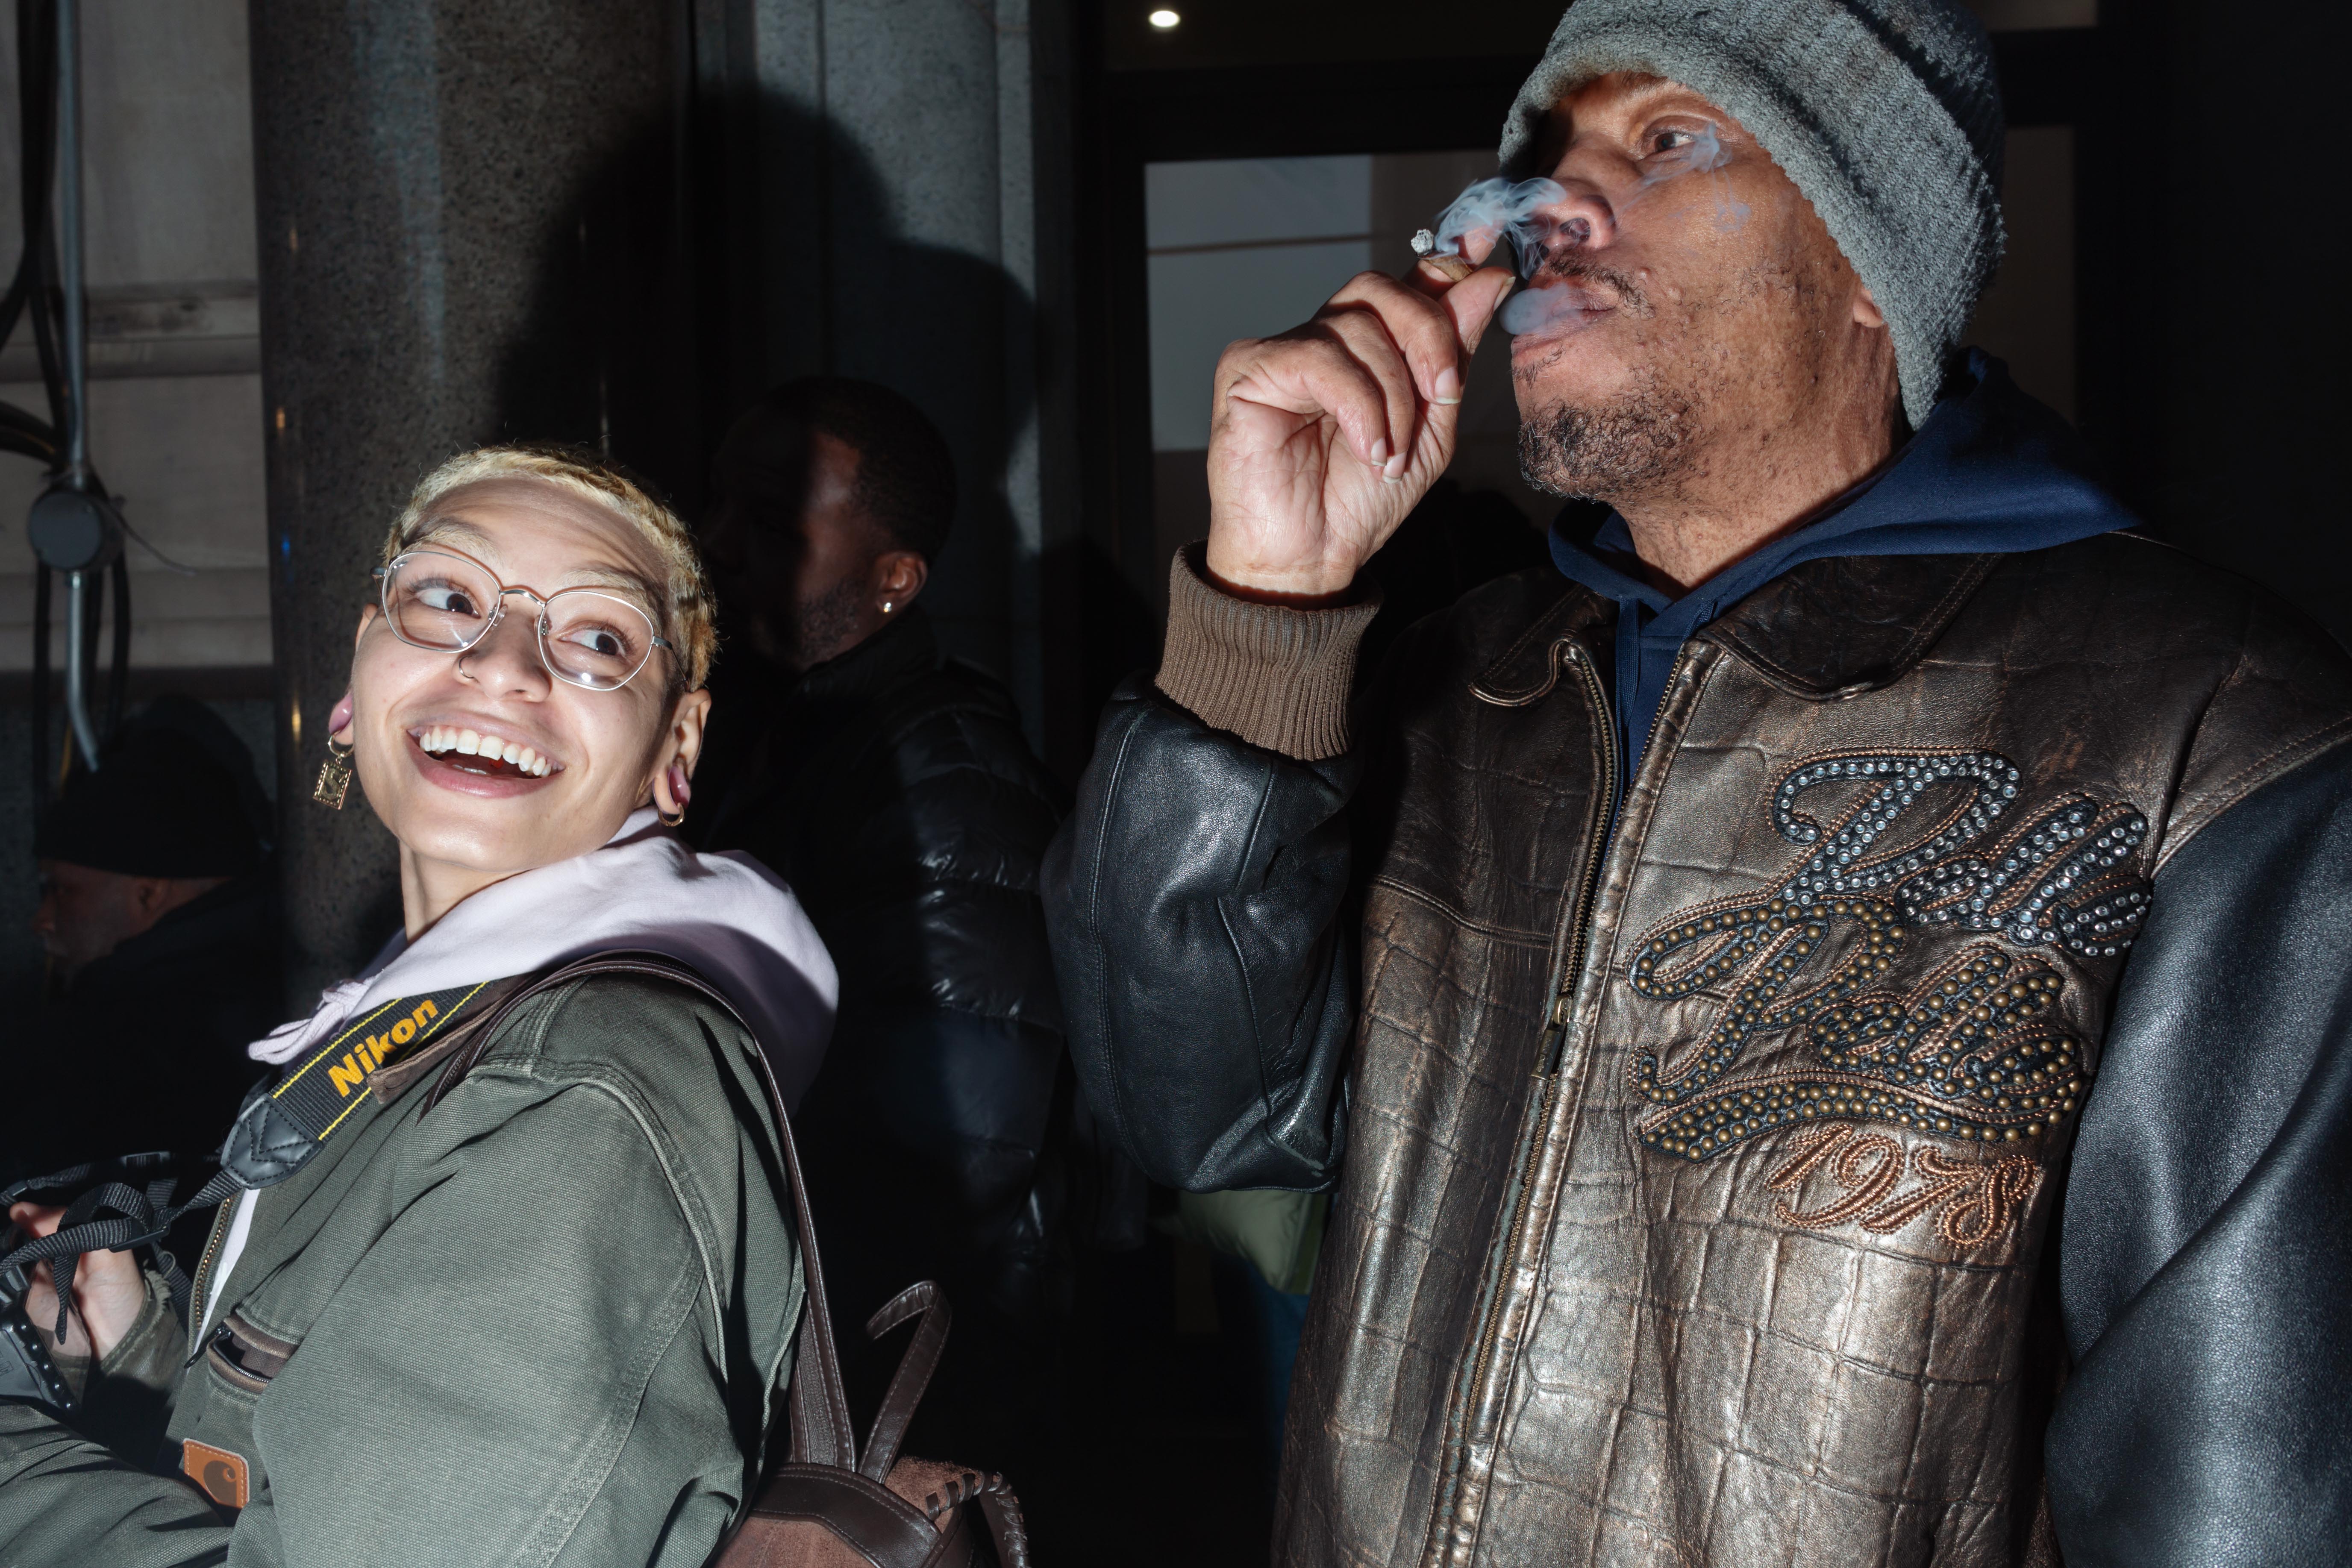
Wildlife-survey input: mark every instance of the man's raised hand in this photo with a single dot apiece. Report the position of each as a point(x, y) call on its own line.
point(1322, 439)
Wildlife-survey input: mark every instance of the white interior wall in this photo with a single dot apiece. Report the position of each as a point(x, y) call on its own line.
point(176, 391)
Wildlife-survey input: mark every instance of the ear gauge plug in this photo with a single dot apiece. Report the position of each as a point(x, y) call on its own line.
point(681, 789)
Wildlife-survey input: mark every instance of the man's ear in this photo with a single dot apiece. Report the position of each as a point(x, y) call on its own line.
point(899, 576)
point(1866, 312)
point(149, 895)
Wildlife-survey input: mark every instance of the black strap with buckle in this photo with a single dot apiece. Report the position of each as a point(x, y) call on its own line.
point(122, 1204)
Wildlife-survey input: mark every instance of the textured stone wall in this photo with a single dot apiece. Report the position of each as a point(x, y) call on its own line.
point(468, 212)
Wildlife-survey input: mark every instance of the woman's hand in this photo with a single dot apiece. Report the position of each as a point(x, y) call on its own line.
point(1322, 439)
point(109, 1290)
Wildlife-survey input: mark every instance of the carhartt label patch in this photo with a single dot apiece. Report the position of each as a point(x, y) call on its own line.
point(222, 1475)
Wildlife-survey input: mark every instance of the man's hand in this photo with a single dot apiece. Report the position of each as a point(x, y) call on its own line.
point(1322, 439)
point(109, 1290)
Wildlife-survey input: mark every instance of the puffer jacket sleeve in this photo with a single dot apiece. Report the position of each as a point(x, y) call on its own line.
point(2205, 1266)
point(950, 1026)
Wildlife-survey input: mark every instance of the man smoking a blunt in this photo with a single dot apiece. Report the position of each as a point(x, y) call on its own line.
point(1704, 971)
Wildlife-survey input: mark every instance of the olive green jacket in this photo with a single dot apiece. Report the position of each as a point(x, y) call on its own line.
point(548, 1322)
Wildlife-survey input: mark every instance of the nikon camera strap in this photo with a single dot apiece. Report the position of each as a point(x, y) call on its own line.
point(285, 1124)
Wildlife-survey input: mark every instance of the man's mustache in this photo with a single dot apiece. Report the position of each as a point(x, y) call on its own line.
point(1580, 267)
point(1567, 293)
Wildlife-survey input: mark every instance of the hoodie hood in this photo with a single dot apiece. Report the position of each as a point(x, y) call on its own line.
point(726, 915)
point(1992, 471)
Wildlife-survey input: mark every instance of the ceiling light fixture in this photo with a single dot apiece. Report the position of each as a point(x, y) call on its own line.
point(1163, 19)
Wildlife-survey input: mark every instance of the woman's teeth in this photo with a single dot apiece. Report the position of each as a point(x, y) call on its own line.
point(441, 739)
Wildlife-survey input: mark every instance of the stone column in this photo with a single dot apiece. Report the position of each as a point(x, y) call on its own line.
point(891, 167)
point(470, 219)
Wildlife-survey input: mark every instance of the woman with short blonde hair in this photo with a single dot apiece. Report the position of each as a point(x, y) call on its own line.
point(499, 1282)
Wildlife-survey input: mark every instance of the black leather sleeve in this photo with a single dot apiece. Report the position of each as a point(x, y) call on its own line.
point(1198, 904)
point(2205, 1265)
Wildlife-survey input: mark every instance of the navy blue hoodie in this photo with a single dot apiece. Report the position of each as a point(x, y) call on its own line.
point(1991, 470)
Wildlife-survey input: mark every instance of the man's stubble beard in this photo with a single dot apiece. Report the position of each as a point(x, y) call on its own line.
point(1636, 444)
point(1633, 444)
point(825, 627)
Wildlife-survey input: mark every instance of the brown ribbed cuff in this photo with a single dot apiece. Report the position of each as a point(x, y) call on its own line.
point(1276, 676)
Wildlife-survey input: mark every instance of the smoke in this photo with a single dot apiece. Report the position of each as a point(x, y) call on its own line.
point(1503, 212)
point(1705, 155)
point(1532, 310)
point(1517, 215)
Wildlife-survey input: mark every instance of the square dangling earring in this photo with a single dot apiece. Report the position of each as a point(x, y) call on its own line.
point(334, 776)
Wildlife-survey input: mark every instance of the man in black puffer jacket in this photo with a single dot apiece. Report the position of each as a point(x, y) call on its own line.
point(890, 785)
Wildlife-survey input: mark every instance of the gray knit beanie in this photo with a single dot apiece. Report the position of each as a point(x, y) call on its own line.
point(1885, 112)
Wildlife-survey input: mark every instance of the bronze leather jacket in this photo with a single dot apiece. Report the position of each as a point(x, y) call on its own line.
point(1699, 1147)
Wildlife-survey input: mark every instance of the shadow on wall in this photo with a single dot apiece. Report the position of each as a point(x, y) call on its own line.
point(603, 357)
point(806, 268)
point(669, 293)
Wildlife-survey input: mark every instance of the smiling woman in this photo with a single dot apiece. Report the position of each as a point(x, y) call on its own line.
point(590, 1167)
point(599, 680)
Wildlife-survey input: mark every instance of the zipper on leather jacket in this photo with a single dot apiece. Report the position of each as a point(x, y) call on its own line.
point(1595, 854)
point(1555, 1043)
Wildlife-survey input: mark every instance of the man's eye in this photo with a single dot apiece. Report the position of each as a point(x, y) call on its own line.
point(1670, 142)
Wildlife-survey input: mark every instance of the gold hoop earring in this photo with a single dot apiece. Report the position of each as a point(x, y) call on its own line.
point(668, 820)
point(334, 776)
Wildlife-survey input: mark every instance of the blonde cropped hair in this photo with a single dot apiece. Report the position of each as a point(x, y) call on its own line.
point(688, 620)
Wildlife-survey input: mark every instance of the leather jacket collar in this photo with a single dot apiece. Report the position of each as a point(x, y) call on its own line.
point(1848, 625)
point(1828, 628)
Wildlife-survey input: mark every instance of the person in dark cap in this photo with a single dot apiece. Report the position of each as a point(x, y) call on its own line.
point(159, 917)
point(891, 786)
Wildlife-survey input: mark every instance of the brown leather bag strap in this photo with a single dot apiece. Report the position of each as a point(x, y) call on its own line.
point(817, 1406)
point(1007, 1530)
point(914, 1373)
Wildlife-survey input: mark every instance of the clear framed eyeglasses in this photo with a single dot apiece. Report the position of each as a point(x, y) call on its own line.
point(439, 600)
